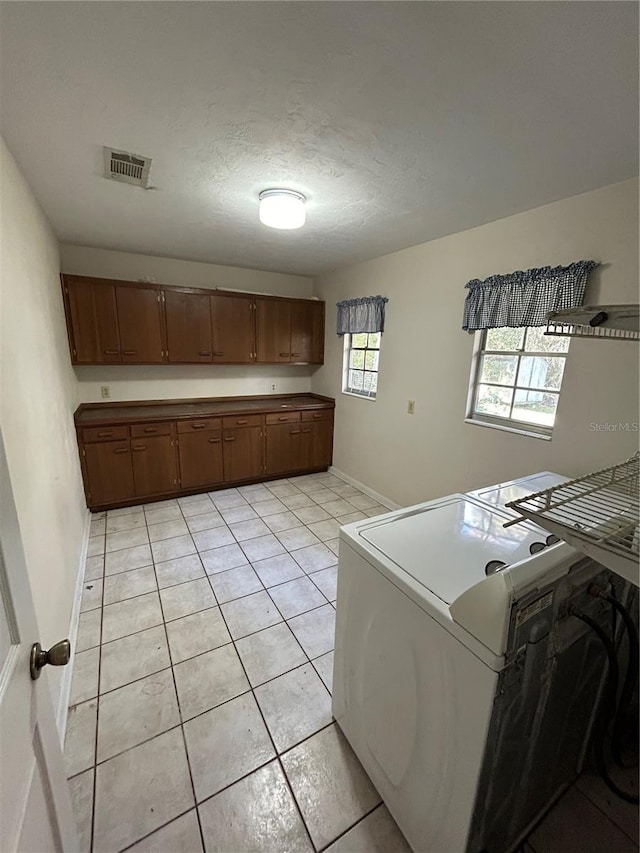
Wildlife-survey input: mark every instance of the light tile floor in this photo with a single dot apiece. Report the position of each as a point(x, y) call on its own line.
point(200, 716)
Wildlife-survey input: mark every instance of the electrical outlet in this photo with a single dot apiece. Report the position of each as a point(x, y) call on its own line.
point(273, 386)
point(105, 391)
point(411, 407)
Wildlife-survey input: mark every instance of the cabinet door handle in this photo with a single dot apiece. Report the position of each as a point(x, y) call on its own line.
point(151, 429)
point(217, 440)
point(229, 438)
point(111, 351)
point(305, 431)
point(294, 432)
point(130, 352)
point(105, 433)
point(121, 450)
point(204, 353)
point(198, 426)
point(296, 354)
point(218, 354)
point(138, 446)
point(285, 355)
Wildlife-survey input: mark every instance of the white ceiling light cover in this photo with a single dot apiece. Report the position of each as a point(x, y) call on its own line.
point(284, 209)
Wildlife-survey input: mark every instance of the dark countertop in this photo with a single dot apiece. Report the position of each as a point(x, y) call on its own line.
point(93, 414)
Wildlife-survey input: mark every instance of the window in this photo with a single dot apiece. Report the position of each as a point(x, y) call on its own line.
point(517, 378)
point(360, 366)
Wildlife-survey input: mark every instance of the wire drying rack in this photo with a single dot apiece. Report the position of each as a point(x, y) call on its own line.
point(613, 322)
point(598, 514)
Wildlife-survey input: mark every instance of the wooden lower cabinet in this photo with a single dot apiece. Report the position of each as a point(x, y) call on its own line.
point(282, 449)
point(316, 444)
point(129, 461)
point(200, 455)
point(242, 453)
point(108, 472)
point(155, 467)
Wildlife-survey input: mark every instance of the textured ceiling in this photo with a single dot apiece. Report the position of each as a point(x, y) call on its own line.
point(401, 122)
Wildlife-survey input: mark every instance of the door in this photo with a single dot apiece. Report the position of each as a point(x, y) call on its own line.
point(34, 796)
point(242, 453)
point(233, 326)
point(188, 327)
point(139, 320)
point(200, 456)
point(155, 469)
point(307, 332)
point(282, 448)
point(109, 472)
point(273, 331)
point(93, 321)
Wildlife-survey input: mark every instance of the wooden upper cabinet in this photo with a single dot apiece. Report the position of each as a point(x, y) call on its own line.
point(307, 332)
point(188, 322)
point(92, 320)
point(273, 331)
point(140, 322)
point(233, 328)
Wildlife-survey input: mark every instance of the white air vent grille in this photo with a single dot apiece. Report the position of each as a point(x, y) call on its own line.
point(126, 167)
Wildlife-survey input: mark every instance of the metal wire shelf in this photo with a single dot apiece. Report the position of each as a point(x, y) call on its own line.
point(598, 514)
point(613, 322)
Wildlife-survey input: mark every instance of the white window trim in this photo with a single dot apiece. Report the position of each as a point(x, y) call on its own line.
point(345, 370)
point(531, 430)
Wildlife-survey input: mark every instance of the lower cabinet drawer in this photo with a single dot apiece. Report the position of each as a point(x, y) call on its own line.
point(322, 415)
point(242, 421)
point(283, 418)
point(199, 425)
point(143, 430)
point(105, 433)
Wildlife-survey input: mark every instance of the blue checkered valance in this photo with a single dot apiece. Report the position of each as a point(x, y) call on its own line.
point(361, 315)
point(525, 297)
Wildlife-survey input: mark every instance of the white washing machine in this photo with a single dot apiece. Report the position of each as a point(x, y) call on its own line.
point(449, 634)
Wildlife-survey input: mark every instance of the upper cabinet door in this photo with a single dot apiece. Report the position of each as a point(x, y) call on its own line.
point(139, 319)
point(233, 327)
point(188, 327)
point(307, 332)
point(93, 321)
point(273, 331)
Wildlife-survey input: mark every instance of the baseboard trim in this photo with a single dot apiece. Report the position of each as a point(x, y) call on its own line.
point(67, 673)
point(353, 482)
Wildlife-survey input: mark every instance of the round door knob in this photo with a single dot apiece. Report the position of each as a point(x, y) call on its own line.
point(58, 655)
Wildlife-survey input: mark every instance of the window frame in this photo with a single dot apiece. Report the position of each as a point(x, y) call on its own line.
point(348, 338)
point(509, 424)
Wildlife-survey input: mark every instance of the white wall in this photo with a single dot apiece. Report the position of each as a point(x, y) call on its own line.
point(161, 382)
point(37, 400)
point(426, 357)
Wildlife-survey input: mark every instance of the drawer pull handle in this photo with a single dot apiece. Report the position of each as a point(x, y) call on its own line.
point(130, 352)
point(111, 351)
point(294, 432)
point(285, 355)
point(151, 429)
point(283, 418)
point(139, 447)
point(317, 416)
point(105, 433)
point(198, 426)
point(245, 421)
point(229, 438)
point(296, 354)
point(204, 353)
point(121, 450)
point(218, 354)
point(217, 440)
point(305, 431)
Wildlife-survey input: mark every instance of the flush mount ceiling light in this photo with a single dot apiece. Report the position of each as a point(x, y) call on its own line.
point(282, 209)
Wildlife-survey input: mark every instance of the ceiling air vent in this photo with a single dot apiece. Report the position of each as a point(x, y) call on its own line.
point(126, 167)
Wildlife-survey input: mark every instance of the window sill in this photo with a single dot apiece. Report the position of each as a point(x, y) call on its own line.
point(516, 430)
point(359, 396)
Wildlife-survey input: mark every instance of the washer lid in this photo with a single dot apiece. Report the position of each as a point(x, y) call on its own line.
point(445, 546)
